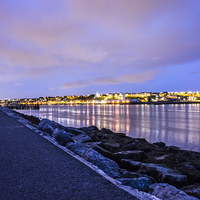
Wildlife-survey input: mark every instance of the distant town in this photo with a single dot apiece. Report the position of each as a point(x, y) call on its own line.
point(111, 98)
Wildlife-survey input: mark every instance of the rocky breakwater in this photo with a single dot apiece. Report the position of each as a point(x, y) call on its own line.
point(164, 171)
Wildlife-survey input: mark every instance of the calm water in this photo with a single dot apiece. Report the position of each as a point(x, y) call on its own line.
point(177, 124)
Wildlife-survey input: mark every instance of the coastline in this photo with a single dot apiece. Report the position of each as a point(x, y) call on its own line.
point(37, 106)
point(138, 160)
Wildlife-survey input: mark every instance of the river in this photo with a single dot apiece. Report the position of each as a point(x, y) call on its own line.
point(173, 124)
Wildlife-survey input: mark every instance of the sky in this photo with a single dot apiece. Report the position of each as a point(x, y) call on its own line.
point(79, 47)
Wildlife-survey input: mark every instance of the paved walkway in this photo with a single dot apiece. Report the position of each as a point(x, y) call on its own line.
point(33, 168)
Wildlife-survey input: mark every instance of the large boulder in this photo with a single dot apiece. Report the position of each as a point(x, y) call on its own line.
point(130, 164)
point(141, 183)
point(89, 129)
point(168, 192)
point(102, 151)
point(164, 174)
point(130, 146)
point(110, 145)
point(193, 190)
point(82, 138)
point(109, 166)
point(134, 155)
point(63, 138)
point(77, 148)
point(106, 131)
point(49, 126)
point(188, 168)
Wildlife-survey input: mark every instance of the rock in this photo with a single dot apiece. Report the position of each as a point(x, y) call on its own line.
point(63, 138)
point(98, 133)
point(130, 146)
point(120, 135)
point(77, 148)
point(109, 166)
point(160, 144)
point(134, 155)
point(110, 145)
point(146, 147)
point(82, 138)
point(168, 192)
point(141, 183)
point(89, 129)
point(188, 168)
point(49, 126)
point(102, 151)
point(193, 190)
point(94, 137)
point(72, 130)
point(164, 174)
point(127, 174)
point(107, 131)
point(129, 164)
point(55, 133)
point(172, 149)
point(42, 122)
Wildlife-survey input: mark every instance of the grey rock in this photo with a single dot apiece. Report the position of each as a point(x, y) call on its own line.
point(49, 127)
point(55, 132)
point(98, 133)
point(72, 130)
point(63, 138)
point(168, 192)
point(110, 145)
point(130, 164)
point(120, 135)
point(141, 183)
point(77, 148)
point(102, 151)
point(42, 122)
point(107, 131)
point(134, 155)
point(130, 146)
point(94, 137)
point(193, 190)
point(160, 144)
point(109, 166)
point(127, 174)
point(82, 138)
point(89, 129)
point(164, 174)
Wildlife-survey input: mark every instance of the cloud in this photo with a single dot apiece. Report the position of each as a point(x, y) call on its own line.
point(193, 73)
point(19, 84)
point(108, 41)
point(124, 78)
point(52, 88)
point(75, 84)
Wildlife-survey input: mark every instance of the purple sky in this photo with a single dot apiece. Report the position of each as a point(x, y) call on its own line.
point(66, 47)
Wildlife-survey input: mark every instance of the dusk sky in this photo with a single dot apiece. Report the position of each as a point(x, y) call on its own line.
point(67, 47)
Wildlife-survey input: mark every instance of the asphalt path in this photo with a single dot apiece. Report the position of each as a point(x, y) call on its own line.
point(33, 168)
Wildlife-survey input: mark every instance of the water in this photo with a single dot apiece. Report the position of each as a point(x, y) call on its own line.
point(177, 124)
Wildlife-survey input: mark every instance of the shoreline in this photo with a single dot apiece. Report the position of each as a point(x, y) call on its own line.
point(37, 107)
point(149, 163)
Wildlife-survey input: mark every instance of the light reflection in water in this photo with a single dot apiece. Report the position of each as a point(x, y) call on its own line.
point(177, 125)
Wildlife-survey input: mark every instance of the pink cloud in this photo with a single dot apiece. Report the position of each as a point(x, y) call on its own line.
point(124, 78)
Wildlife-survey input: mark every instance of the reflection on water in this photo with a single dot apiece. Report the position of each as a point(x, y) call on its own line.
point(177, 124)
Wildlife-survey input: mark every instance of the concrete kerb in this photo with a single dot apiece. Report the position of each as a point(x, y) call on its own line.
point(134, 192)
